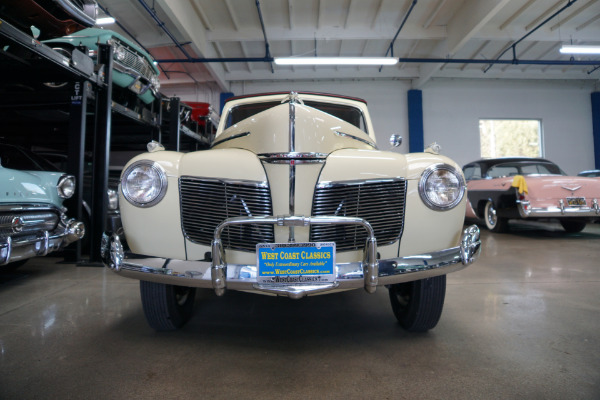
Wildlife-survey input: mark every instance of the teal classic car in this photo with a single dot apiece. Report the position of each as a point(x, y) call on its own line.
point(33, 220)
point(133, 68)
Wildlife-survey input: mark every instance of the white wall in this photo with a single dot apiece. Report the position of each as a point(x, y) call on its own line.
point(452, 109)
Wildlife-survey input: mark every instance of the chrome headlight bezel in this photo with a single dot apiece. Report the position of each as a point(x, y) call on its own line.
point(150, 168)
point(120, 52)
point(113, 199)
point(66, 186)
point(433, 172)
point(155, 82)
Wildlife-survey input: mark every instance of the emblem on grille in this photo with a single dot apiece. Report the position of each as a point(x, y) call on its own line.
point(17, 224)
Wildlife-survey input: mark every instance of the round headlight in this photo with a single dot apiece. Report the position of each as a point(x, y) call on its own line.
point(155, 82)
point(120, 53)
point(66, 186)
point(441, 187)
point(144, 183)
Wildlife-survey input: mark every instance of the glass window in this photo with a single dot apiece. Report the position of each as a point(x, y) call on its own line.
point(510, 138)
point(524, 168)
point(349, 114)
point(502, 170)
point(472, 172)
point(18, 158)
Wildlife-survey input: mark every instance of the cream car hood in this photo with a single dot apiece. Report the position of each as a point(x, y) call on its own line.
point(315, 132)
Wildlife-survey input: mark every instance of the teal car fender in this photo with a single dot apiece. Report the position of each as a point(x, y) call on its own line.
point(33, 220)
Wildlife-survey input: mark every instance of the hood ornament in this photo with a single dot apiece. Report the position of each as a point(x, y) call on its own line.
point(293, 98)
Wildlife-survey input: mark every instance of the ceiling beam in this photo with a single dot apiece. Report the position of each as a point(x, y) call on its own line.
point(434, 14)
point(411, 30)
point(571, 16)
point(377, 14)
point(469, 20)
point(544, 15)
point(516, 14)
point(320, 73)
point(187, 21)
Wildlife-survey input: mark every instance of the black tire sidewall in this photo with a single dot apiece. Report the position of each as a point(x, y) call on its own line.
point(425, 303)
point(162, 311)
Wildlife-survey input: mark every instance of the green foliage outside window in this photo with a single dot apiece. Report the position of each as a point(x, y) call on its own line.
point(510, 138)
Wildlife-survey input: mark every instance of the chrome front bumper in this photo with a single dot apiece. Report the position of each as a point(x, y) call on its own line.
point(219, 275)
point(18, 249)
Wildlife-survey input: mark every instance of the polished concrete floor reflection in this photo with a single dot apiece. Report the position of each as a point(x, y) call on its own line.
point(521, 323)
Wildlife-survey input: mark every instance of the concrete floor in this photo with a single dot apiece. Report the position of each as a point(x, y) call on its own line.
point(521, 323)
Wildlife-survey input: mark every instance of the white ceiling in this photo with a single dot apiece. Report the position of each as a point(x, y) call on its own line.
point(434, 29)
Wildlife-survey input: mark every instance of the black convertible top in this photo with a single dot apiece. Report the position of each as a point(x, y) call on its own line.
point(486, 163)
point(245, 96)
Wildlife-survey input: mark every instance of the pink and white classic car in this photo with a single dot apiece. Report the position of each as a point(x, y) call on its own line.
point(529, 188)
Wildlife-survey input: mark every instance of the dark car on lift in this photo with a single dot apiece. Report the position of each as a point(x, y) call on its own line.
point(52, 18)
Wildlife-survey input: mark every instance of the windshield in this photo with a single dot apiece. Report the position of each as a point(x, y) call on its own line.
point(347, 113)
point(524, 168)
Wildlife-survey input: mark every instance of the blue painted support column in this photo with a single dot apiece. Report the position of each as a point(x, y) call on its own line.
point(416, 142)
point(223, 99)
point(596, 126)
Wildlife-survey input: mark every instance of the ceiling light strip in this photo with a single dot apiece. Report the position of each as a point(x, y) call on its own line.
point(579, 49)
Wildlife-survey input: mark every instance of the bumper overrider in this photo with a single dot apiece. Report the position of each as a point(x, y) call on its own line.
point(220, 275)
point(16, 249)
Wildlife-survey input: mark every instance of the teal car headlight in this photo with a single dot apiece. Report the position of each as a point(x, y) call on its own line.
point(155, 82)
point(441, 187)
point(144, 183)
point(120, 52)
point(66, 186)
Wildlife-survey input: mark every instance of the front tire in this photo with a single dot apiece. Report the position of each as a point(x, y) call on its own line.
point(418, 305)
point(573, 226)
point(492, 221)
point(167, 307)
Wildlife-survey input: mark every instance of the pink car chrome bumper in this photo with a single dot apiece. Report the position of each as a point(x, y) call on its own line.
point(558, 211)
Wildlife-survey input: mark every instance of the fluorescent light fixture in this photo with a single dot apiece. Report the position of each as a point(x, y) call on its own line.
point(105, 21)
point(336, 60)
point(579, 49)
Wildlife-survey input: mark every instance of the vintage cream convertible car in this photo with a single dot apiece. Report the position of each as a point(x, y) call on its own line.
point(293, 198)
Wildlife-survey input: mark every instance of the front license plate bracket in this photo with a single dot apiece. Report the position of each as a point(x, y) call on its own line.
point(284, 264)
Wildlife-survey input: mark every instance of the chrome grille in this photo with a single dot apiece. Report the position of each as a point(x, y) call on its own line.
point(381, 203)
point(135, 62)
point(205, 203)
point(30, 222)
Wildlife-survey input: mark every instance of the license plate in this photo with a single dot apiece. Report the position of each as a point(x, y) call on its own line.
point(295, 263)
point(576, 201)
